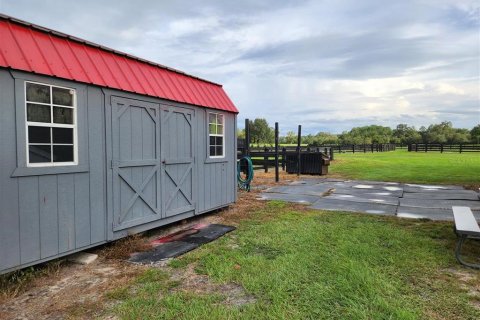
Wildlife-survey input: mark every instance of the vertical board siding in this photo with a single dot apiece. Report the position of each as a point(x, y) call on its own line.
point(216, 179)
point(82, 209)
point(29, 219)
point(9, 218)
point(96, 138)
point(48, 215)
point(66, 212)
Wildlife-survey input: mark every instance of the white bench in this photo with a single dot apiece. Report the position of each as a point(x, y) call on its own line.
point(466, 227)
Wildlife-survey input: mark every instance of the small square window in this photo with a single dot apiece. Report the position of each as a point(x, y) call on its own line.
point(51, 128)
point(216, 135)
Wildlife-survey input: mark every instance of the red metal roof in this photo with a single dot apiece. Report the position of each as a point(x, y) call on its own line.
point(32, 48)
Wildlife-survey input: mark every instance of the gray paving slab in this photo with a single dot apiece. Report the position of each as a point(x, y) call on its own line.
point(375, 192)
point(424, 213)
point(340, 205)
point(300, 198)
point(429, 213)
point(440, 195)
point(377, 187)
point(383, 183)
point(364, 198)
point(314, 190)
point(408, 189)
point(434, 187)
point(439, 204)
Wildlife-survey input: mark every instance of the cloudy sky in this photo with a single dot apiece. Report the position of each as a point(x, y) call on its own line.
point(328, 65)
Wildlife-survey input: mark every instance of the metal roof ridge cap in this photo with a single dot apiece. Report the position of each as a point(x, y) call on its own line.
point(93, 44)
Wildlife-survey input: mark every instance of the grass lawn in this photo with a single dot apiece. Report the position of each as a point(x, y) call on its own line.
point(294, 263)
point(414, 167)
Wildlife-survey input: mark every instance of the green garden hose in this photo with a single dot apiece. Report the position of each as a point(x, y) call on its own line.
point(244, 184)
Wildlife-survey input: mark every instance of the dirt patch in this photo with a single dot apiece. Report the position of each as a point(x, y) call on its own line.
point(76, 288)
point(190, 281)
point(469, 281)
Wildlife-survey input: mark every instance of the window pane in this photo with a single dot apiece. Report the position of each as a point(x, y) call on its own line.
point(212, 129)
point(62, 135)
point(212, 151)
point(62, 115)
point(219, 151)
point(212, 140)
point(38, 93)
point(219, 141)
point(62, 153)
point(212, 117)
point(220, 119)
point(39, 154)
point(219, 129)
point(63, 97)
point(38, 134)
point(38, 113)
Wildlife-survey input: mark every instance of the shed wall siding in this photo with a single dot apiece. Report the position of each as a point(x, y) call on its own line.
point(48, 215)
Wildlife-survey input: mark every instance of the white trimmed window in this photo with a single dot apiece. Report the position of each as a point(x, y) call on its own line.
point(216, 135)
point(50, 125)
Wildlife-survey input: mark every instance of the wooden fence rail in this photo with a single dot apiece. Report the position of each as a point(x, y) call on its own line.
point(436, 147)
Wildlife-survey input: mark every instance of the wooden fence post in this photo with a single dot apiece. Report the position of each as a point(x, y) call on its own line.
point(276, 153)
point(353, 148)
point(426, 147)
point(247, 137)
point(299, 155)
point(284, 158)
point(332, 152)
point(461, 148)
point(372, 147)
point(265, 160)
point(441, 148)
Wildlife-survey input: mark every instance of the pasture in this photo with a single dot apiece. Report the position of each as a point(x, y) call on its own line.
point(412, 167)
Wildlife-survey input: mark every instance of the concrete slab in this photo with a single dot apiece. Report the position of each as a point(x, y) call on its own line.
point(440, 195)
point(83, 258)
point(439, 204)
point(364, 198)
point(375, 192)
point(434, 187)
point(299, 198)
point(378, 187)
point(409, 189)
point(424, 213)
point(340, 205)
point(314, 190)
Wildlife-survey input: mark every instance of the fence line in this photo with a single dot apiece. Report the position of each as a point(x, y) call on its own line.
point(439, 147)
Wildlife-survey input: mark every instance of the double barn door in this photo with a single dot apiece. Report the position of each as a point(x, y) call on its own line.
point(151, 156)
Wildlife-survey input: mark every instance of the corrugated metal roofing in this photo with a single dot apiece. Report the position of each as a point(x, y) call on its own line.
point(32, 48)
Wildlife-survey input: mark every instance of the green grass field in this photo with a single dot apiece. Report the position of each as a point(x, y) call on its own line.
point(414, 167)
point(297, 264)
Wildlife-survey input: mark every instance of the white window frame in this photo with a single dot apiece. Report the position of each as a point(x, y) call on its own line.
point(51, 125)
point(216, 134)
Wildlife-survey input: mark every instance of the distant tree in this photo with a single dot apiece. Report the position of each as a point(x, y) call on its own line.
point(366, 135)
point(260, 132)
point(475, 134)
point(406, 135)
point(323, 138)
point(241, 133)
point(445, 133)
point(291, 137)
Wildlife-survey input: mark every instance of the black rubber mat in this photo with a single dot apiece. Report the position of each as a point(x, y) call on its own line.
point(181, 242)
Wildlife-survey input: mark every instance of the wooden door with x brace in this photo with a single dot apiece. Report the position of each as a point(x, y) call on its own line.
point(150, 150)
point(178, 159)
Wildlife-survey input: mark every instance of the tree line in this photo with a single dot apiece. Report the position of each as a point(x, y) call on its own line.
point(262, 133)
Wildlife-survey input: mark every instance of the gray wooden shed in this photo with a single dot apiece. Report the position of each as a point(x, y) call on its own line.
point(96, 144)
